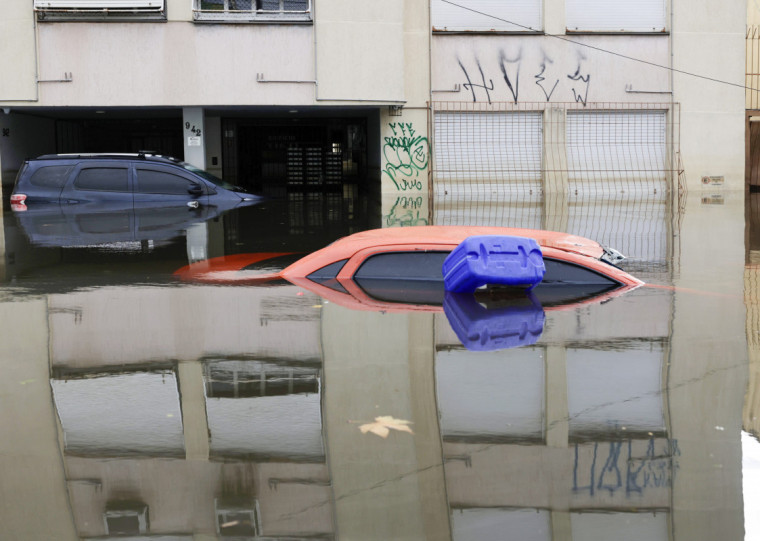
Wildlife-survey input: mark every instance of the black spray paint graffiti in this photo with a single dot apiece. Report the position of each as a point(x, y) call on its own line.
point(510, 69)
point(605, 473)
point(469, 85)
point(406, 157)
point(514, 83)
point(406, 211)
point(540, 79)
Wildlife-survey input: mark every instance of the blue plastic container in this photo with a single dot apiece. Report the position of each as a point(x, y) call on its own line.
point(481, 329)
point(493, 260)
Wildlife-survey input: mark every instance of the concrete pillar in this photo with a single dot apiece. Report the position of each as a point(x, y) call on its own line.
point(556, 184)
point(554, 16)
point(193, 404)
point(194, 136)
point(393, 487)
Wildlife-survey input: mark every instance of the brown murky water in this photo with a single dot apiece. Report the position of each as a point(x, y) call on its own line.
point(135, 404)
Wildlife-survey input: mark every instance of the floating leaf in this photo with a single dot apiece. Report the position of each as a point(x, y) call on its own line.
point(383, 425)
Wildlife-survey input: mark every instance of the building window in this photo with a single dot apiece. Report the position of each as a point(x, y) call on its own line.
point(252, 10)
point(487, 16)
point(639, 16)
point(51, 10)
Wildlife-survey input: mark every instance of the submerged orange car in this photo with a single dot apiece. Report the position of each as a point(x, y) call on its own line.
point(410, 259)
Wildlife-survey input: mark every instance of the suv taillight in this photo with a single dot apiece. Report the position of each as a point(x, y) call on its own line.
point(18, 201)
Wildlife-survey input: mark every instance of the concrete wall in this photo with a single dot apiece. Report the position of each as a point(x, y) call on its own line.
point(709, 39)
point(18, 62)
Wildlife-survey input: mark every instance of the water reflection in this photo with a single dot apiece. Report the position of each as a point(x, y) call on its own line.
point(139, 405)
point(110, 224)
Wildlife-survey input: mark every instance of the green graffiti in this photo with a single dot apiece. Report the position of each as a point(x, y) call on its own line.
point(406, 212)
point(406, 157)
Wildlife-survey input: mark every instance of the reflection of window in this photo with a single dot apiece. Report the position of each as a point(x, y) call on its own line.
point(105, 179)
point(149, 181)
point(253, 10)
point(126, 518)
point(235, 519)
point(255, 379)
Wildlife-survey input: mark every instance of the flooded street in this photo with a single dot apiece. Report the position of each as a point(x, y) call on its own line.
point(143, 404)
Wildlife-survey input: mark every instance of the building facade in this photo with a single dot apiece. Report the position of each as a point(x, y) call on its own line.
point(389, 99)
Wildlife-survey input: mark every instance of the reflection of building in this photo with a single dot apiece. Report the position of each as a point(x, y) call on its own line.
point(538, 439)
point(751, 416)
point(178, 420)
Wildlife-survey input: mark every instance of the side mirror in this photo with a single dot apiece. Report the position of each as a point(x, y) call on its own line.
point(196, 190)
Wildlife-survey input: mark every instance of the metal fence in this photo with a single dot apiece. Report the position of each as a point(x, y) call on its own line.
point(752, 59)
point(608, 171)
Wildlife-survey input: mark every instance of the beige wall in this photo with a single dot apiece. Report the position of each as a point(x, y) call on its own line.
point(708, 39)
point(17, 52)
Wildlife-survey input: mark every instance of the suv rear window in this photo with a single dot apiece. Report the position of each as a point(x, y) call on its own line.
point(52, 176)
point(106, 179)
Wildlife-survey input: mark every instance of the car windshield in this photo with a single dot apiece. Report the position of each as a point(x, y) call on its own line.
point(211, 178)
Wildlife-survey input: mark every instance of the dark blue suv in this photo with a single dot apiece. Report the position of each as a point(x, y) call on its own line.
point(125, 180)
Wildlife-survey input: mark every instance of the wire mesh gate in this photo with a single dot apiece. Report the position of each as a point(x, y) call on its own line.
point(607, 171)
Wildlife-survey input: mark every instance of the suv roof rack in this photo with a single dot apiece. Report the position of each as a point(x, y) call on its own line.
point(142, 154)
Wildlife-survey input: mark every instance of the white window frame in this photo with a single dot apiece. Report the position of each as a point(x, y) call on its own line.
point(230, 13)
point(519, 16)
point(99, 9)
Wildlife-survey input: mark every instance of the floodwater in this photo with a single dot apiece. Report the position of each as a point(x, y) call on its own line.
point(137, 405)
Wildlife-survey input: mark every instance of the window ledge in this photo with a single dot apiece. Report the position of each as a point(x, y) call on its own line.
point(57, 15)
point(251, 17)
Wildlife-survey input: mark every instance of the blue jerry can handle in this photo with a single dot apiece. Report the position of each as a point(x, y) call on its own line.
point(493, 260)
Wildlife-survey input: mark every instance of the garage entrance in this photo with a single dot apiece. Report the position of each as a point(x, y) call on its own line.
point(280, 156)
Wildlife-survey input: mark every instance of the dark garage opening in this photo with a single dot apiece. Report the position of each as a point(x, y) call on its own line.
point(277, 157)
point(161, 135)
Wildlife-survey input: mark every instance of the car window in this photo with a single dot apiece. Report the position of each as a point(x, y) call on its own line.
point(106, 179)
point(52, 176)
point(161, 182)
point(416, 265)
point(563, 272)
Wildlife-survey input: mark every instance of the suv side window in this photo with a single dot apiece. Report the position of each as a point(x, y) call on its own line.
point(52, 176)
point(104, 179)
point(161, 182)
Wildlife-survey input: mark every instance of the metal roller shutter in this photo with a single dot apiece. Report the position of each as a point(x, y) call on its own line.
point(487, 15)
point(622, 16)
point(608, 145)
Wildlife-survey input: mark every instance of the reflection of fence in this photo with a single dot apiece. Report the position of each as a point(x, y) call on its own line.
point(606, 171)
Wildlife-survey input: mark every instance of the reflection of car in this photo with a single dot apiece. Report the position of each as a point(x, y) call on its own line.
point(400, 270)
point(143, 178)
point(77, 225)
